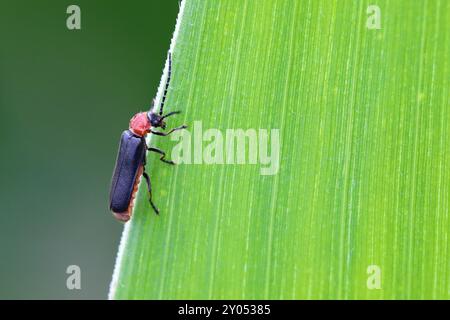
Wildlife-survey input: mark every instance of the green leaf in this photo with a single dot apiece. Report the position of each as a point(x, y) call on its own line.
point(363, 184)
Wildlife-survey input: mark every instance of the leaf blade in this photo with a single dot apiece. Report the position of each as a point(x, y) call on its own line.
point(362, 118)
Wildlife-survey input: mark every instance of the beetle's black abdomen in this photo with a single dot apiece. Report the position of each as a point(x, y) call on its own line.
point(130, 157)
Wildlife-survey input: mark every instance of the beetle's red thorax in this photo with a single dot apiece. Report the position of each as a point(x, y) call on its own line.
point(139, 124)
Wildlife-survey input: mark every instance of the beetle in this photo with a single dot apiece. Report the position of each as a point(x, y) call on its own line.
point(131, 158)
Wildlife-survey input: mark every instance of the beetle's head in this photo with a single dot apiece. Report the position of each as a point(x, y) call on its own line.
point(140, 124)
point(156, 120)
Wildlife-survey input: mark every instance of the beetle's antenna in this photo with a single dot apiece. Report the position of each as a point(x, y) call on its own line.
point(169, 73)
point(170, 114)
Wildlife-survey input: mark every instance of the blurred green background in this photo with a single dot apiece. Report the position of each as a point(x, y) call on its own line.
point(65, 97)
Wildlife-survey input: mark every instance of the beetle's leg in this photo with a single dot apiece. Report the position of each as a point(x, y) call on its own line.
point(162, 153)
point(147, 179)
point(158, 133)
